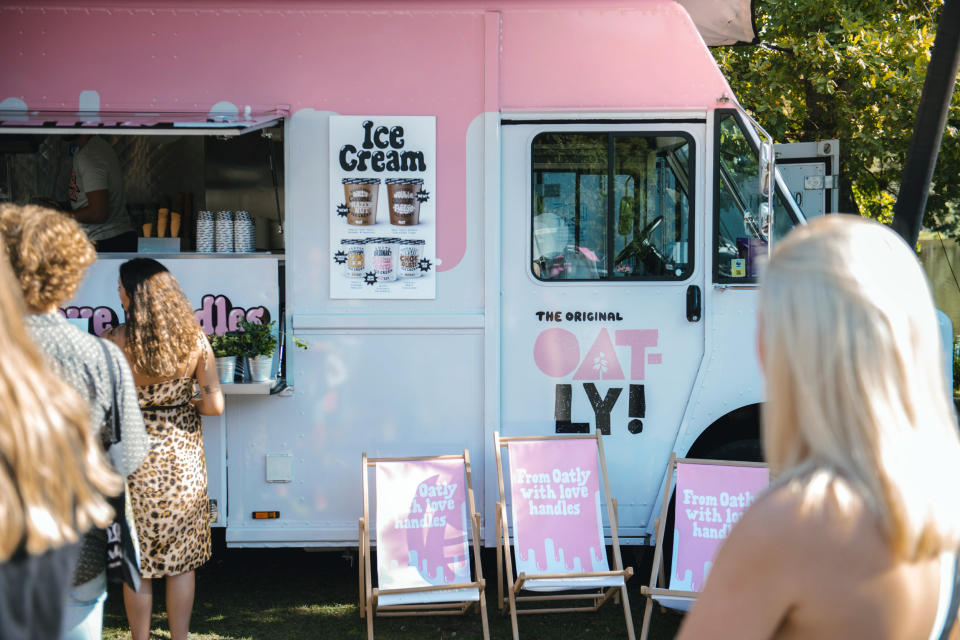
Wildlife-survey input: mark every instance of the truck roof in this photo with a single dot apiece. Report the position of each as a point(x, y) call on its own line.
point(359, 57)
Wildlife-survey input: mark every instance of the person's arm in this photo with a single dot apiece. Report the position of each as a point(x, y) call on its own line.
point(748, 592)
point(210, 402)
point(96, 210)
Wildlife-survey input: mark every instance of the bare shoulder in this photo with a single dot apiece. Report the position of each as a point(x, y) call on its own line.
point(778, 512)
point(200, 349)
point(819, 518)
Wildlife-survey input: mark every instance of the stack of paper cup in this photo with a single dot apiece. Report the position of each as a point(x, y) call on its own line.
point(244, 232)
point(205, 231)
point(223, 232)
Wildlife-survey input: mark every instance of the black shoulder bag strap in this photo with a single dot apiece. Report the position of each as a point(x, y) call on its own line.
point(112, 431)
point(122, 562)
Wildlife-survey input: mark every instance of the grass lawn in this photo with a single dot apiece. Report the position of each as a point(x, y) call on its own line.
point(275, 594)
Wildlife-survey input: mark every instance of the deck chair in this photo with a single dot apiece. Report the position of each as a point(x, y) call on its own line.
point(425, 513)
point(711, 497)
point(556, 507)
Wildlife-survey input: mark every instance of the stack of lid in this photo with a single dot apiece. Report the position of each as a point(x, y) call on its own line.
point(223, 232)
point(244, 232)
point(205, 231)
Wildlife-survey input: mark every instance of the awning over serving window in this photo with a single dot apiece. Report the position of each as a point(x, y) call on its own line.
point(134, 123)
point(722, 22)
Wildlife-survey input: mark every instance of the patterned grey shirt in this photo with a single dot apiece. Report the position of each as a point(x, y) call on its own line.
point(79, 360)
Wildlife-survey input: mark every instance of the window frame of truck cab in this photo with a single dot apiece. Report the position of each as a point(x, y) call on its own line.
point(782, 203)
point(683, 223)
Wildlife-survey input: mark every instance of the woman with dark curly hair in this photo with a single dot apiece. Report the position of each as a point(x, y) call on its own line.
point(168, 352)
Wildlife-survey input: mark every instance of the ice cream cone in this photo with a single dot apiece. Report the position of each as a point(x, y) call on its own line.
point(162, 216)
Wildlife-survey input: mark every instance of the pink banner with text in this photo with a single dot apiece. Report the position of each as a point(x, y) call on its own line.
point(556, 506)
point(711, 498)
point(421, 524)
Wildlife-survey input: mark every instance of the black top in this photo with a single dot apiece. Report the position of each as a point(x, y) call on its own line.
point(33, 593)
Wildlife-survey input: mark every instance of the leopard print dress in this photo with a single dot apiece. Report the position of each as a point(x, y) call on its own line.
point(168, 492)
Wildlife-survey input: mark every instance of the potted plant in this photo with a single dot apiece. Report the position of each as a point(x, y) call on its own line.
point(257, 344)
point(226, 348)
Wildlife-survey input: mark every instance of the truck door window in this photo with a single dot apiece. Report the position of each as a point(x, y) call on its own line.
point(740, 233)
point(611, 206)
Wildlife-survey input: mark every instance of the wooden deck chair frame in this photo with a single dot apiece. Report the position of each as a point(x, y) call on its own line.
point(370, 594)
point(657, 578)
point(596, 598)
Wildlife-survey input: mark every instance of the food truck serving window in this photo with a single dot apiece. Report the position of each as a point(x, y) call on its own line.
point(612, 206)
point(172, 179)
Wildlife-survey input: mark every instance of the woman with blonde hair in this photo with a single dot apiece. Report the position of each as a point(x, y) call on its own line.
point(52, 477)
point(168, 353)
point(857, 536)
point(50, 255)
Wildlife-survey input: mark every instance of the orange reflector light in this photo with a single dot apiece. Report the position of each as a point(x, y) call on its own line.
point(265, 515)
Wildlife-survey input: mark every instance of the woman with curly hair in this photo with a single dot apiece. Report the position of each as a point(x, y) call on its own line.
point(168, 352)
point(52, 475)
point(50, 255)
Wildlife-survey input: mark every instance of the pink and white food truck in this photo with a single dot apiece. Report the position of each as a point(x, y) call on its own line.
point(525, 216)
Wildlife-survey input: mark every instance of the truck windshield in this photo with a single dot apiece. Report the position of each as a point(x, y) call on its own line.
point(611, 206)
point(741, 234)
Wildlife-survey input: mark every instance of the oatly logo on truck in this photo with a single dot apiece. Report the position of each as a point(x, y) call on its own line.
point(381, 138)
point(557, 353)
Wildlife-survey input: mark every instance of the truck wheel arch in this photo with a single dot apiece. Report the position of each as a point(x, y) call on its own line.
point(733, 436)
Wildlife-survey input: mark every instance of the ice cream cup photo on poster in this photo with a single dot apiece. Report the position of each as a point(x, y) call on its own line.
point(361, 195)
point(404, 204)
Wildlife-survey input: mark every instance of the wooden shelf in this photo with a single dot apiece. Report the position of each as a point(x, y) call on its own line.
point(247, 388)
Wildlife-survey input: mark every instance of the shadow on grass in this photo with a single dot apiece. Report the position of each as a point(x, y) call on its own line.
point(280, 594)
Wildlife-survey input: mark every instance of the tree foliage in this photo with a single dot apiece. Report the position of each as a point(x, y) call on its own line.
point(851, 70)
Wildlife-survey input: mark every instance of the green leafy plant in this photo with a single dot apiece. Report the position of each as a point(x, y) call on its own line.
point(257, 339)
point(851, 71)
point(225, 345)
point(956, 365)
point(261, 339)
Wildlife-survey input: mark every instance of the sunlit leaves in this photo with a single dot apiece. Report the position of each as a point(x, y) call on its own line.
point(851, 70)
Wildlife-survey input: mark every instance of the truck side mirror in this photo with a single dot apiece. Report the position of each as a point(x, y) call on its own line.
point(766, 169)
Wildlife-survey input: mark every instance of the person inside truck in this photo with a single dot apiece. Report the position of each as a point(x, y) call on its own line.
point(857, 536)
point(97, 199)
point(551, 235)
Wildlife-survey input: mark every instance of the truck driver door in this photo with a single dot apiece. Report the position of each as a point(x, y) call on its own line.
point(602, 274)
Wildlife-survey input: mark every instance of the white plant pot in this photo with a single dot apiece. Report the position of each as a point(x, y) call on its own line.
point(226, 368)
point(260, 368)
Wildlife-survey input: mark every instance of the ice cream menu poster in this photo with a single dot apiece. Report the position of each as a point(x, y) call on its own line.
point(383, 215)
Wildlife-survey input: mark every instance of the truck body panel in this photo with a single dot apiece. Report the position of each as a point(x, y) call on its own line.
point(397, 377)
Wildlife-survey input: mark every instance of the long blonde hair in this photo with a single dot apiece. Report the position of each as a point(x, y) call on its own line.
point(52, 469)
point(161, 329)
point(855, 382)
